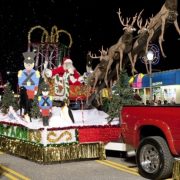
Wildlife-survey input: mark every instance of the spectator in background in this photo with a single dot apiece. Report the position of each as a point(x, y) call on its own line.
point(165, 102)
point(159, 102)
point(148, 102)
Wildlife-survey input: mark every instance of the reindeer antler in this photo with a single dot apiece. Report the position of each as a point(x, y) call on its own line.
point(103, 52)
point(139, 19)
point(120, 18)
point(134, 19)
point(93, 56)
point(142, 28)
point(127, 19)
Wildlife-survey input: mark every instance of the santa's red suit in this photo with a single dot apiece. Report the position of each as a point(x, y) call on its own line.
point(74, 78)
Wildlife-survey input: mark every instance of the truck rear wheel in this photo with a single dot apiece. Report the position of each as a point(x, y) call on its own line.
point(154, 159)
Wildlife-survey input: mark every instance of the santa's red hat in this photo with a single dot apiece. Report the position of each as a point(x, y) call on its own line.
point(67, 60)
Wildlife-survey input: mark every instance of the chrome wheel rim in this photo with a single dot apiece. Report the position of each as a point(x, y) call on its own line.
point(149, 158)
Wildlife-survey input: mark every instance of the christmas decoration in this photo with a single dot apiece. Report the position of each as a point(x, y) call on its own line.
point(122, 94)
point(82, 92)
point(61, 87)
point(55, 144)
point(35, 112)
point(72, 134)
point(29, 79)
point(45, 104)
point(13, 125)
point(66, 113)
point(105, 104)
point(49, 48)
point(52, 154)
point(68, 67)
point(176, 169)
point(64, 76)
point(8, 99)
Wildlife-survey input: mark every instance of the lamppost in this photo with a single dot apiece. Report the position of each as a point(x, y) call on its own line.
point(150, 58)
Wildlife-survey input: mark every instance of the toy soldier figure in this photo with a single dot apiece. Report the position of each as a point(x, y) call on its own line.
point(29, 78)
point(45, 104)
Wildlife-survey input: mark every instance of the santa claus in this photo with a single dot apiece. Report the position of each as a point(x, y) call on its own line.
point(74, 77)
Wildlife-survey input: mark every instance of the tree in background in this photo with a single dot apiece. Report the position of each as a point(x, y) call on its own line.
point(8, 99)
point(122, 94)
point(35, 111)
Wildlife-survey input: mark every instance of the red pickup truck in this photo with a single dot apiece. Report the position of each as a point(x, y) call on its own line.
point(154, 131)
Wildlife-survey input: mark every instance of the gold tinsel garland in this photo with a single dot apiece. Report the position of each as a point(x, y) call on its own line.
point(43, 154)
point(176, 169)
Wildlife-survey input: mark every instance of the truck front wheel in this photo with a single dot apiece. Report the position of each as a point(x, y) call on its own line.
point(154, 159)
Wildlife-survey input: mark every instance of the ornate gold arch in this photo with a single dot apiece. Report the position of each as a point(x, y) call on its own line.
point(54, 32)
point(64, 31)
point(45, 33)
point(53, 37)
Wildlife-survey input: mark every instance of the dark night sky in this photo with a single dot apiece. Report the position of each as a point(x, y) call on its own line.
point(92, 23)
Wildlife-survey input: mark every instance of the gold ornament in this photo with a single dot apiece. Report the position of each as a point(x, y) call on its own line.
point(35, 135)
point(56, 139)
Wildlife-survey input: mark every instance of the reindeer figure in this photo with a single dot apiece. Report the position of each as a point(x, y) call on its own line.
point(138, 46)
point(123, 45)
point(99, 71)
point(148, 32)
point(167, 14)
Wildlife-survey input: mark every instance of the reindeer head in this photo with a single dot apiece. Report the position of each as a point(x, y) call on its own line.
point(142, 29)
point(127, 27)
point(103, 53)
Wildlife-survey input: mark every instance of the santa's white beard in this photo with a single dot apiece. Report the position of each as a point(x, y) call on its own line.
point(69, 67)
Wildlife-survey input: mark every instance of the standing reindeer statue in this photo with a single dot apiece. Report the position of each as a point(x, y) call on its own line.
point(123, 46)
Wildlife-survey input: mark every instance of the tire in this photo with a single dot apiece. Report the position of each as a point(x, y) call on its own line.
point(154, 159)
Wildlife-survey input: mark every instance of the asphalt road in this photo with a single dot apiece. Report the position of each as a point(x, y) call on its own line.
point(115, 167)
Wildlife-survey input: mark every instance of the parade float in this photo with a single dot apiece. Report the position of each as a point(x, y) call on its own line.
point(57, 142)
point(49, 131)
point(61, 139)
